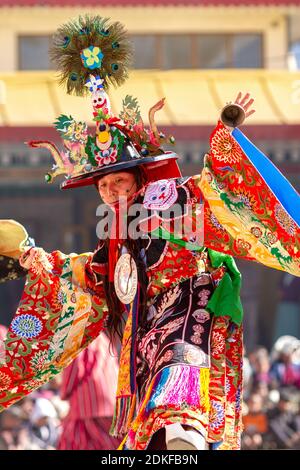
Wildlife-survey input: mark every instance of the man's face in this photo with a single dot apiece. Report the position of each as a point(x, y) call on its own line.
point(116, 185)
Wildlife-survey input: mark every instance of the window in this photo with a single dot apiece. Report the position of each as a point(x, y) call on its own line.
point(211, 51)
point(295, 52)
point(229, 51)
point(165, 51)
point(204, 51)
point(246, 51)
point(145, 51)
point(176, 52)
point(34, 53)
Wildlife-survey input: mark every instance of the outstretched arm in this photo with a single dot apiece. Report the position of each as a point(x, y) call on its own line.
point(247, 211)
point(58, 316)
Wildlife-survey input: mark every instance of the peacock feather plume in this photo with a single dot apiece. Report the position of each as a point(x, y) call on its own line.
point(91, 45)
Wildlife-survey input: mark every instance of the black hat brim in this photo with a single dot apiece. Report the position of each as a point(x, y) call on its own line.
point(89, 179)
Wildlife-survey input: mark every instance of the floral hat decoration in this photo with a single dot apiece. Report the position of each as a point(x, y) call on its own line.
point(91, 53)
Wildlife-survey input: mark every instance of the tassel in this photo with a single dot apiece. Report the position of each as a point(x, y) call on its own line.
point(123, 415)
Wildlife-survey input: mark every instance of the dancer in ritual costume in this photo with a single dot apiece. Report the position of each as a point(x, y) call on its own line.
point(177, 285)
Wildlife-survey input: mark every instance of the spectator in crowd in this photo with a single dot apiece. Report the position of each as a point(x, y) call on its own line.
point(13, 435)
point(43, 425)
point(255, 423)
point(285, 371)
point(284, 424)
point(261, 366)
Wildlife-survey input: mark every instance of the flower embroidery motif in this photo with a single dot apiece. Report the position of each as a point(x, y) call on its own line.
point(271, 238)
point(215, 222)
point(245, 196)
point(92, 57)
point(224, 147)
point(256, 231)
point(5, 381)
point(196, 339)
point(167, 357)
point(227, 385)
point(59, 297)
point(38, 360)
point(243, 245)
point(217, 415)
point(218, 342)
point(62, 297)
point(284, 220)
point(238, 398)
point(107, 158)
point(203, 297)
point(26, 326)
point(201, 315)
point(34, 383)
point(198, 329)
point(41, 261)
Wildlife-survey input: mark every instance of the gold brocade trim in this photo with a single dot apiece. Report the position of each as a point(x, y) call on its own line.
point(78, 264)
point(83, 306)
point(238, 230)
point(204, 388)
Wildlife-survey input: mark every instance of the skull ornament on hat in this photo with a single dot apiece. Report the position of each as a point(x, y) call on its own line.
point(92, 53)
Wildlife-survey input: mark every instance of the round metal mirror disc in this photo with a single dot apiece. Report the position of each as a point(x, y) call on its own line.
point(126, 278)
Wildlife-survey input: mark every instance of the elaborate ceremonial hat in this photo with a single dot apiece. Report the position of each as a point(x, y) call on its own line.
point(91, 53)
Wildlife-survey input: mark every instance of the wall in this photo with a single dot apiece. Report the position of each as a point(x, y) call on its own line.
point(272, 23)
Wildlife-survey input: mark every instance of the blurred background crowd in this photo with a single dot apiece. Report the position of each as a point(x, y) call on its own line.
point(71, 412)
point(198, 54)
point(272, 396)
point(74, 411)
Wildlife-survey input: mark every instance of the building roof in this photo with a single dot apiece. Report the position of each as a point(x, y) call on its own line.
point(128, 3)
point(193, 97)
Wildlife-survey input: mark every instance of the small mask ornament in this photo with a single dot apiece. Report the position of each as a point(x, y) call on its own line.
point(160, 195)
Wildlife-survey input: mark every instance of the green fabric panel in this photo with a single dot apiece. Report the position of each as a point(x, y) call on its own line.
point(226, 297)
point(165, 235)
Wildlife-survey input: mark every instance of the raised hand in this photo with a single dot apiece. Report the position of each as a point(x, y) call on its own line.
point(234, 114)
point(245, 102)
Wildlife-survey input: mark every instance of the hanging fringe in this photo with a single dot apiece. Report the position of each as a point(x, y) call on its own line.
point(123, 415)
point(204, 388)
point(126, 392)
